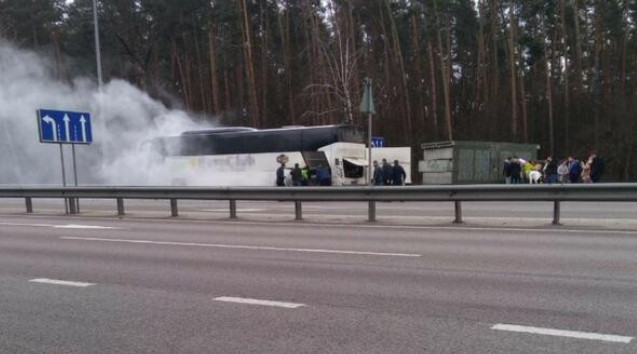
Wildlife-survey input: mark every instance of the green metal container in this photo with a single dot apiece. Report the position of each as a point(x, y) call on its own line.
point(469, 162)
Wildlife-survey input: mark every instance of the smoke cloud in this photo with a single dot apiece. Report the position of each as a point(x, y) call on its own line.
point(123, 119)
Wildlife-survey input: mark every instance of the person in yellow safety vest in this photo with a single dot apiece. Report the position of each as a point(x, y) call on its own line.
point(305, 176)
point(526, 169)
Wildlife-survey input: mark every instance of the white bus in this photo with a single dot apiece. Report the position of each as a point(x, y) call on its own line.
point(239, 156)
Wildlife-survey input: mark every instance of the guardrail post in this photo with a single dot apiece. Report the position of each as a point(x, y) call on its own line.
point(120, 206)
point(233, 209)
point(458, 210)
point(556, 212)
point(372, 211)
point(174, 210)
point(29, 205)
point(298, 210)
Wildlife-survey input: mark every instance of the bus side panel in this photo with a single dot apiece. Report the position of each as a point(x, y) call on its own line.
point(250, 170)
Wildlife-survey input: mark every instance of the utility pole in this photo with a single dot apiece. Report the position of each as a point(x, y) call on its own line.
point(98, 56)
point(98, 59)
point(367, 106)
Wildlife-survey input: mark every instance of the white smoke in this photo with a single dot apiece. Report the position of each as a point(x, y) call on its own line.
point(123, 119)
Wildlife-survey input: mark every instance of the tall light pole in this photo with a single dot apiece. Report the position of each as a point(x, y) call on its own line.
point(98, 59)
point(98, 56)
point(367, 107)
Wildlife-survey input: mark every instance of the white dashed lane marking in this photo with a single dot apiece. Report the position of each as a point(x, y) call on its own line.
point(562, 333)
point(61, 282)
point(248, 301)
point(243, 247)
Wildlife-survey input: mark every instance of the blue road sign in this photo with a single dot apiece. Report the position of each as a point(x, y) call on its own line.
point(64, 127)
point(378, 142)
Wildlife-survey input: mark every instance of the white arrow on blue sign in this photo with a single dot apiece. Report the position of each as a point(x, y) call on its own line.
point(378, 142)
point(64, 127)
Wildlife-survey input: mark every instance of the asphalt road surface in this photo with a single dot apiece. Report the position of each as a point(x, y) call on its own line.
point(99, 284)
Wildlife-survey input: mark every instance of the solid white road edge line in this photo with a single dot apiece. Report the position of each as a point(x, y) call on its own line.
point(247, 301)
point(60, 282)
point(90, 227)
point(562, 333)
point(425, 227)
point(225, 210)
point(242, 247)
point(70, 226)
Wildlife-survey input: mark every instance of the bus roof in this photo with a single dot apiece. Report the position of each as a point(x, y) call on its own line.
point(242, 140)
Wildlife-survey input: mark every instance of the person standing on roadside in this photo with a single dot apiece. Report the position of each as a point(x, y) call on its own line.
point(378, 174)
point(515, 170)
point(597, 168)
point(398, 174)
point(297, 175)
point(506, 170)
point(280, 176)
point(562, 172)
point(574, 170)
point(550, 170)
point(586, 171)
point(387, 173)
point(305, 176)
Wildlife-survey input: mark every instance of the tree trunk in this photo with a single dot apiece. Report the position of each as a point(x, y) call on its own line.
point(567, 96)
point(204, 105)
point(495, 79)
point(212, 45)
point(183, 77)
point(249, 62)
point(513, 73)
point(445, 74)
point(549, 93)
point(416, 62)
point(265, 36)
point(403, 74)
point(597, 94)
point(434, 91)
point(284, 29)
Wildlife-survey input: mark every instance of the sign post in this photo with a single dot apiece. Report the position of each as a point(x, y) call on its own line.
point(77, 201)
point(66, 201)
point(65, 127)
point(367, 107)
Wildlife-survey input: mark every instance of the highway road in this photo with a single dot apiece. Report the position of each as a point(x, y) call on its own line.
point(100, 284)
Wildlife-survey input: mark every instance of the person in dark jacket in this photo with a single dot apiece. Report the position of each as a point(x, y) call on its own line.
point(515, 170)
point(597, 168)
point(574, 170)
point(398, 174)
point(550, 170)
point(378, 174)
point(323, 176)
point(387, 173)
point(506, 170)
point(280, 176)
point(297, 175)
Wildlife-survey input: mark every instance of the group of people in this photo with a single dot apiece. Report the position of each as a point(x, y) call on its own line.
point(388, 175)
point(385, 175)
point(302, 176)
point(550, 171)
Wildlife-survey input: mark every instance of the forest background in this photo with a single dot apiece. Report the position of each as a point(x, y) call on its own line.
point(561, 74)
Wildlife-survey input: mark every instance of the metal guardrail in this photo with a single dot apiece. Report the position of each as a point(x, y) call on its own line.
point(372, 195)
